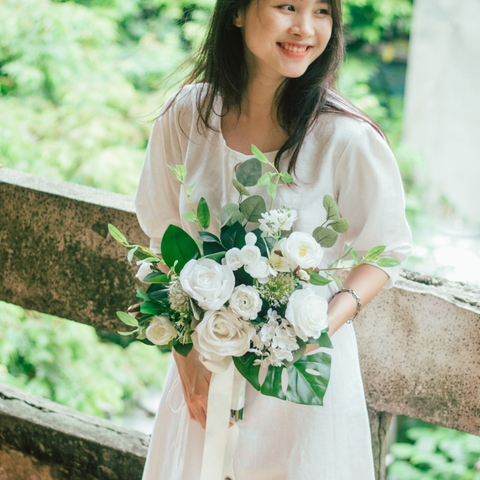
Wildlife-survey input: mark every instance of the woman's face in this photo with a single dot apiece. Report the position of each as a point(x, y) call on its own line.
point(282, 39)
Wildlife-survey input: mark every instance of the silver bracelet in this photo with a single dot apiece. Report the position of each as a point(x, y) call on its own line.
point(355, 296)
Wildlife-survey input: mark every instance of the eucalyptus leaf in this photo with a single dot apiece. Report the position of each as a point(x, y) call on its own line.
point(331, 208)
point(249, 172)
point(237, 217)
point(325, 236)
point(127, 319)
point(256, 151)
point(388, 262)
point(374, 253)
point(316, 279)
point(340, 226)
point(253, 207)
point(227, 211)
point(190, 217)
point(116, 234)
point(203, 213)
point(240, 188)
point(178, 247)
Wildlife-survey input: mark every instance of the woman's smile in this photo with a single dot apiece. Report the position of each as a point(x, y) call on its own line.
point(294, 50)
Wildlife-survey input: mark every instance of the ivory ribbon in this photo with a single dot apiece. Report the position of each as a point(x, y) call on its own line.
point(226, 392)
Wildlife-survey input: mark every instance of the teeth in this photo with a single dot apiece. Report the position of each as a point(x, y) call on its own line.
point(291, 48)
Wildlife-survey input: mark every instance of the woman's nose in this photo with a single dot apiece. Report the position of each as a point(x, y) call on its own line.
point(302, 26)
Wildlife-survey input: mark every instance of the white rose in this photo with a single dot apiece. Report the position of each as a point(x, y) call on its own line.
point(246, 302)
point(250, 254)
point(161, 331)
point(209, 283)
point(221, 334)
point(233, 258)
point(302, 249)
point(307, 312)
point(250, 238)
point(260, 270)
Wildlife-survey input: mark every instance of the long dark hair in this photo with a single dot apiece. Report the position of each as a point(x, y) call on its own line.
point(221, 67)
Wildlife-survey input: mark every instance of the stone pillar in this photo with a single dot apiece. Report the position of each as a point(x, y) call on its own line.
point(380, 423)
point(442, 116)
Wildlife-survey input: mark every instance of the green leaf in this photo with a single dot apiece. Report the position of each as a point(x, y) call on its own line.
point(246, 367)
point(183, 349)
point(203, 213)
point(322, 341)
point(237, 217)
point(127, 319)
point(207, 237)
point(272, 385)
point(340, 226)
point(178, 246)
point(126, 334)
point(190, 188)
point(304, 387)
point(151, 308)
point(179, 171)
point(156, 277)
point(325, 236)
point(226, 213)
point(265, 179)
point(331, 208)
point(272, 189)
point(141, 294)
point(354, 254)
point(374, 253)
point(240, 188)
point(190, 217)
point(253, 207)
point(117, 235)
point(388, 262)
point(249, 172)
point(256, 151)
point(233, 236)
point(217, 257)
point(131, 254)
point(286, 177)
point(337, 280)
point(316, 279)
point(211, 248)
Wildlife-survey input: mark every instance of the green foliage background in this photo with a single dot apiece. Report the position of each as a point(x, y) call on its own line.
point(80, 83)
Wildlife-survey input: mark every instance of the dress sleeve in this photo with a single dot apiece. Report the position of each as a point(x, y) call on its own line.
point(157, 197)
point(370, 196)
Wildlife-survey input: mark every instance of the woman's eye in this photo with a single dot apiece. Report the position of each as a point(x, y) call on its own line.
point(290, 8)
point(323, 11)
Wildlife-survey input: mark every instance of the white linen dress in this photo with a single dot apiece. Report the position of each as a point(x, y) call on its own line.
point(345, 158)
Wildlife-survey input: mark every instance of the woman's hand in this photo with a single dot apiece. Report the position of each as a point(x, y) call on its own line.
point(195, 383)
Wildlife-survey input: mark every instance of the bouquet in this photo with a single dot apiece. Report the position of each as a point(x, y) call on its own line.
point(247, 292)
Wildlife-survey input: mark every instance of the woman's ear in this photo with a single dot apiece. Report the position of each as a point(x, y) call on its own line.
point(238, 19)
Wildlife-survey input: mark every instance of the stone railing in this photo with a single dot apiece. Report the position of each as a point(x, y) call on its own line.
point(419, 343)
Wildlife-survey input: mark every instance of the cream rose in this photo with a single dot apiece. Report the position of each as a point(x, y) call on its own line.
point(307, 312)
point(222, 333)
point(260, 270)
point(208, 282)
point(233, 259)
point(302, 249)
point(250, 254)
point(160, 331)
point(245, 302)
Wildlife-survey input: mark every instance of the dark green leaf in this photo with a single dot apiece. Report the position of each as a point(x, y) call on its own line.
point(210, 248)
point(272, 385)
point(325, 237)
point(340, 226)
point(208, 237)
point(151, 308)
point(233, 236)
point(203, 213)
point(158, 296)
point(304, 387)
point(256, 151)
point(322, 341)
point(127, 319)
point(240, 188)
point(316, 279)
point(178, 245)
point(116, 234)
point(141, 294)
point(298, 353)
point(253, 207)
point(331, 208)
point(246, 367)
point(388, 262)
point(374, 253)
point(183, 349)
point(156, 277)
point(249, 172)
point(217, 257)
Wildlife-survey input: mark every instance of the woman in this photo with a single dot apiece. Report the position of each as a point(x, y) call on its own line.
point(264, 76)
